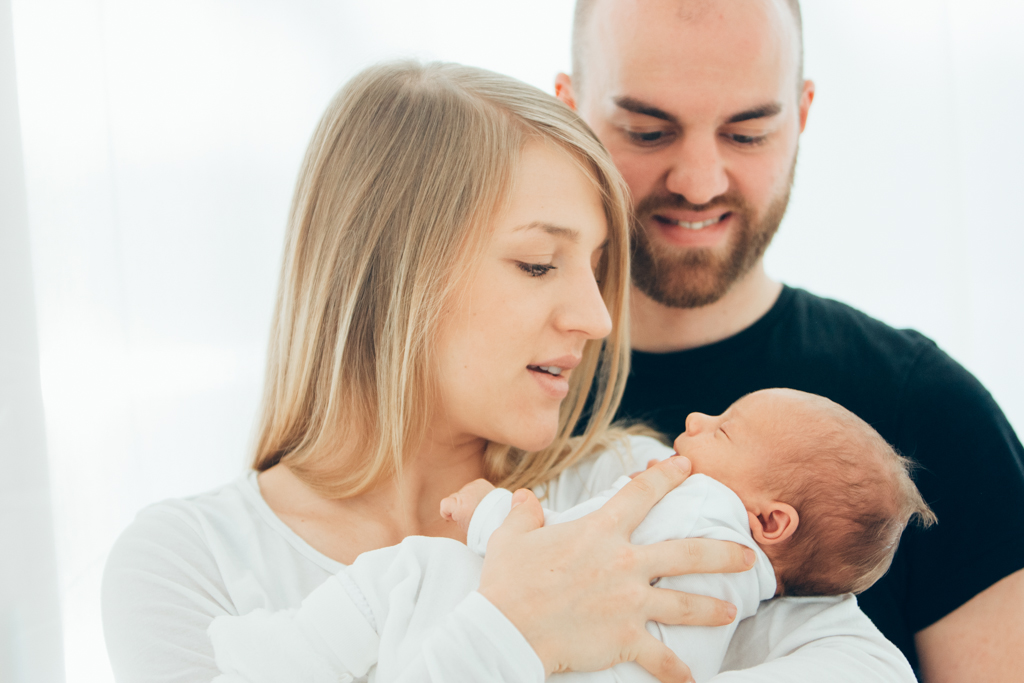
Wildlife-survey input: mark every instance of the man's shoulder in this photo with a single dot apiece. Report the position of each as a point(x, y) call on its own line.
point(834, 346)
point(819, 318)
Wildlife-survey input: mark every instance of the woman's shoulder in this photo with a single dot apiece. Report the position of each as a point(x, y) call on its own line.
point(191, 522)
point(597, 472)
point(164, 581)
point(179, 538)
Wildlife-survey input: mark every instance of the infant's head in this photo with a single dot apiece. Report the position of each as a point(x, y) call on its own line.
point(827, 497)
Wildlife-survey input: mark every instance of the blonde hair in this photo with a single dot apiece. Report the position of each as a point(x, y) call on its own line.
point(403, 176)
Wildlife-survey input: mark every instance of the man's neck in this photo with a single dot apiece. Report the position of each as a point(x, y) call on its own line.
point(657, 328)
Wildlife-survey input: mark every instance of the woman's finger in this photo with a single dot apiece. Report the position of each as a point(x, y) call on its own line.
point(693, 556)
point(677, 608)
point(650, 463)
point(661, 662)
point(632, 502)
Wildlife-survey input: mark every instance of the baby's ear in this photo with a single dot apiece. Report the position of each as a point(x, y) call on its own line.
point(774, 523)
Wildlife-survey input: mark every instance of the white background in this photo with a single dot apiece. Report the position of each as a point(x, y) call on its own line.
point(160, 144)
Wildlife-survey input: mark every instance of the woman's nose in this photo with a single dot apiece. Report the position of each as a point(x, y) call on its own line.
point(585, 311)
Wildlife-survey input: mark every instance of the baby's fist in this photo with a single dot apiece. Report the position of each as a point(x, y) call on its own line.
point(460, 506)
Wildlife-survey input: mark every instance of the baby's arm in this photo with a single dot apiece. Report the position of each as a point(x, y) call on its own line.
point(479, 509)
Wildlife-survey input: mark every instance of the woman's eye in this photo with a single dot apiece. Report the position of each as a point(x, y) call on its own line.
point(534, 269)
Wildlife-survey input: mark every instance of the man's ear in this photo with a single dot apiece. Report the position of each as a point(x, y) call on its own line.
point(806, 98)
point(563, 90)
point(774, 523)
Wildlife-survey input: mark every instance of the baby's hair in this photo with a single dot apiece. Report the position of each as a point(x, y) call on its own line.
point(851, 489)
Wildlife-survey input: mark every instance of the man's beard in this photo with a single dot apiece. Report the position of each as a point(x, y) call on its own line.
point(681, 277)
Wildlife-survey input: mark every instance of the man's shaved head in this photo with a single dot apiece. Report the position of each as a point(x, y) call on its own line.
point(581, 39)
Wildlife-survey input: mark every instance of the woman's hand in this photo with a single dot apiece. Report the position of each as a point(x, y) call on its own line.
point(580, 592)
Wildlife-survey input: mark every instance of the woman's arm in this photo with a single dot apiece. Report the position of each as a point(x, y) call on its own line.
point(161, 589)
point(812, 640)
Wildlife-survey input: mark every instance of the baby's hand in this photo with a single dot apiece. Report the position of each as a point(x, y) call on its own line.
point(460, 506)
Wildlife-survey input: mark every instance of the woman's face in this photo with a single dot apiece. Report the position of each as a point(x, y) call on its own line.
point(526, 309)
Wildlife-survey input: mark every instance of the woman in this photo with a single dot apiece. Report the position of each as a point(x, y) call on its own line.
point(455, 273)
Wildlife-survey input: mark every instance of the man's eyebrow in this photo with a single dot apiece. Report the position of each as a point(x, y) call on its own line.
point(570, 234)
point(637, 107)
point(765, 111)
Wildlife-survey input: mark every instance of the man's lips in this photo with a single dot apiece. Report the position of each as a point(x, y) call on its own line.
point(691, 220)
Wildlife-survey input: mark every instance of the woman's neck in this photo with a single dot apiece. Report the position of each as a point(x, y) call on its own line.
point(383, 516)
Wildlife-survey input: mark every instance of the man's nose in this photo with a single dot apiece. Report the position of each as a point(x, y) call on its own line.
point(697, 172)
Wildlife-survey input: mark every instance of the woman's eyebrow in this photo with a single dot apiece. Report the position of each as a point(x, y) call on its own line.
point(570, 234)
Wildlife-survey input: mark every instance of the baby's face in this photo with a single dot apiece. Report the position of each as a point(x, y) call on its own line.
point(732, 447)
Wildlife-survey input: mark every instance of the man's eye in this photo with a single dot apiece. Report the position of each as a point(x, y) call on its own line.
point(749, 140)
point(646, 137)
point(534, 269)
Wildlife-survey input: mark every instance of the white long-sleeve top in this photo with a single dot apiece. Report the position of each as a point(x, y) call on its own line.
point(287, 612)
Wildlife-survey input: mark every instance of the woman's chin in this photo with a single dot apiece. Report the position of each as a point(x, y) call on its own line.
point(537, 439)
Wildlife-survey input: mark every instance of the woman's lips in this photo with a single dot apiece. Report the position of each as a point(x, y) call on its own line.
point(556, 386)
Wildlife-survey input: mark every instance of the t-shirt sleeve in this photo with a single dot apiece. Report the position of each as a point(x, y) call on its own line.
point(972, 475)
point(161, 590)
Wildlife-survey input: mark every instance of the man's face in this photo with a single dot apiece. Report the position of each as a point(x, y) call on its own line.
point(698, 103)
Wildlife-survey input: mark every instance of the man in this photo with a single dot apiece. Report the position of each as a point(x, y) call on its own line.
point(701, 104)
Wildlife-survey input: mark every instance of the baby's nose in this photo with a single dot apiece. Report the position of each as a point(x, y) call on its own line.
point(694, 422)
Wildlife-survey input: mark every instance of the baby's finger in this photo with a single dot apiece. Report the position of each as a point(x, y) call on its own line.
point(661, 662)
point(448, 506)
point(674, 607)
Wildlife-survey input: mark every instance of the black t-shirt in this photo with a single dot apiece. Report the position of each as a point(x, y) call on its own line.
point(918, 398)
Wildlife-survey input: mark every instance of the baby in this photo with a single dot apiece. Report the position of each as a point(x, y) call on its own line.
point(812, 489)
point(825, 496)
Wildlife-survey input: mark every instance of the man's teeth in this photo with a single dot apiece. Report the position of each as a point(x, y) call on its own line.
point(551, 370)
point(695, 226)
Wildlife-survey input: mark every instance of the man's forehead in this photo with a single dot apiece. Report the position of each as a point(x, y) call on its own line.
point(713, 54)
